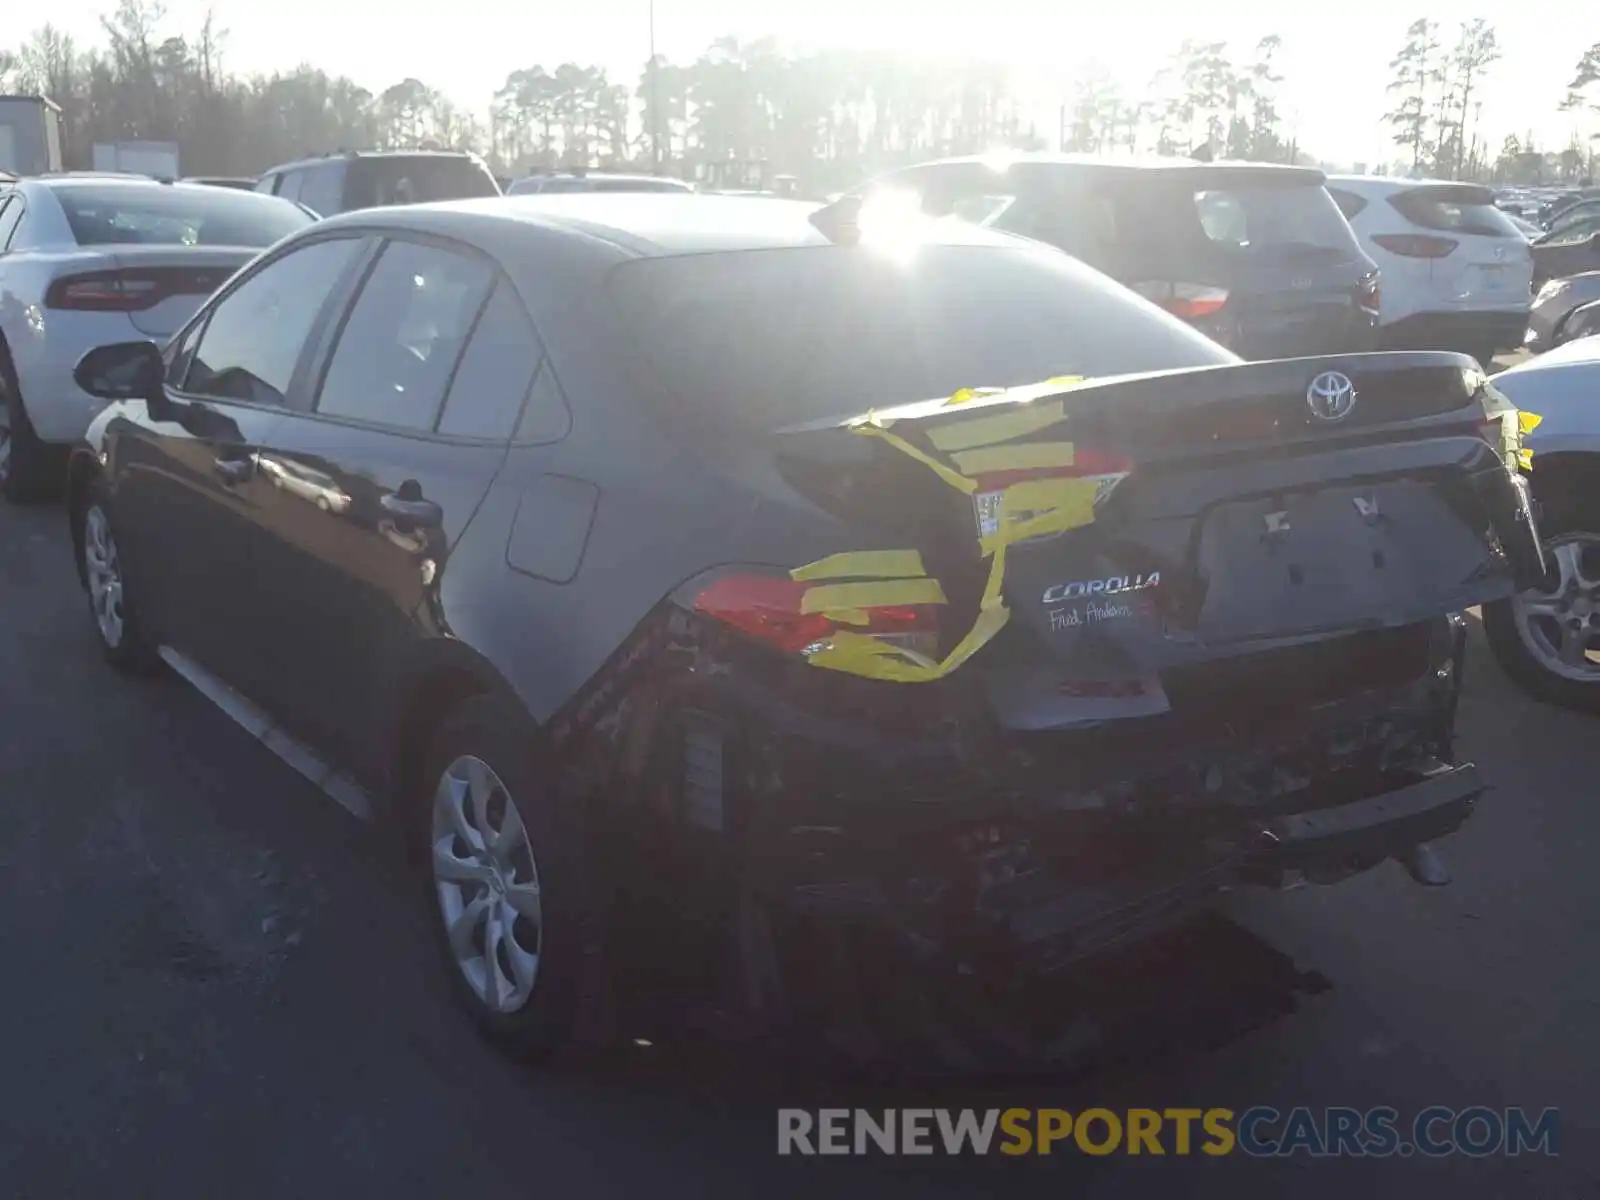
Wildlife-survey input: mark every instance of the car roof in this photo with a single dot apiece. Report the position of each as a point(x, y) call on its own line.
point(629, 176)
point(1388, 185)
point(1160, 164)
point(345, 156)
point(104, 180)
point(643, 224)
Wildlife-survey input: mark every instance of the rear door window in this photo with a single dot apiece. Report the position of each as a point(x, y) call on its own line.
point(493, 377)
point(290, 183)
point(1464, 210)
point(10, 218)
point(403, 336)
point(322, 191)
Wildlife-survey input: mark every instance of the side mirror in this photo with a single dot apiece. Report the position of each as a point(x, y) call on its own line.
point(122, 371)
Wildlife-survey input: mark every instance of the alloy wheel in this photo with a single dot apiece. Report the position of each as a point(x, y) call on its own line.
point(103, 568)
point(487, 883)
point(1559, 621)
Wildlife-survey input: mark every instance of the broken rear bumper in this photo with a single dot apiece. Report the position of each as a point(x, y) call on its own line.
point(1378, 828)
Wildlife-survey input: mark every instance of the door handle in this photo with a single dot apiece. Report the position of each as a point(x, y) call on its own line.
point(235, 470)
point(412, 510)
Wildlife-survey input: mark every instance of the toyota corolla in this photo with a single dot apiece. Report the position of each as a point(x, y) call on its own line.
point(732, 599)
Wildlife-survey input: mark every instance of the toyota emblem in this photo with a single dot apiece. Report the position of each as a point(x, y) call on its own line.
point(1331, 396)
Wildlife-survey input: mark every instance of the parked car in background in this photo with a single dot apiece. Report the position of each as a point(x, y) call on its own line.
point(241, 183)
point(1457, 273)
point(1571, 216)
point(337, 183)
point(1256, 257)
point(1560, 206)
point(1549, 324)
point(87, 258)
point(1548, 638)
point(1585, 322)
point(593, 181)
point(1572, 250)
point(586, 627)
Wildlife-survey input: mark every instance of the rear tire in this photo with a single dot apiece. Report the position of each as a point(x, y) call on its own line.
point(512, 910)
point(1527, 644)
point(116, 623)
point(25, 461)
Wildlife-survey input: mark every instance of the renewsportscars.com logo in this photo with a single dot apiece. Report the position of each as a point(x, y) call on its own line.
point(1258, 1132)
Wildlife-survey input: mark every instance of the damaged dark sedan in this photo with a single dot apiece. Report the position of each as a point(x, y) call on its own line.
point(731, 600)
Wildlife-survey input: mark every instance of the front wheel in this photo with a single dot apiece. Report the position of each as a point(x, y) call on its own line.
point(1548, 637)
point(507, 874)
point(121, 637)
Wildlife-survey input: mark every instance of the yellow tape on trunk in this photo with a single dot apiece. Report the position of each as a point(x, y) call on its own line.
point(986, 431)
point(949, 474)
point(864, 564)
point(1028, 509)
point(1029, 456)
point(878, 593)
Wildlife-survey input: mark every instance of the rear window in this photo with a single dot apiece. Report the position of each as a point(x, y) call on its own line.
point(1455, 210)
point(379, 182)
point(767, 338)
point(162, 215)
point(1272, 219)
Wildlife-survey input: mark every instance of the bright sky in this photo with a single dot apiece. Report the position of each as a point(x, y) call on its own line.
point(1335, 56)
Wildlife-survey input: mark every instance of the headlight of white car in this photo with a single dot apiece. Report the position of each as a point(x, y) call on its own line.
point(1551, 290)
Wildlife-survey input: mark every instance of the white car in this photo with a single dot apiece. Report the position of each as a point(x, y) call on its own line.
point(1548, 639)
point(91, 259)
point(1457, 272)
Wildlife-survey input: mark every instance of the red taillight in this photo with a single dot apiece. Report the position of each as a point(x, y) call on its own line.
point(770, 609)
point(1191, 301)
point(131, 290)
point(1415, 245)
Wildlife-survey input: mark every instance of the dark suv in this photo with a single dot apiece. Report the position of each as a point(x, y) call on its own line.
point(337, 183)
point(1257, 257)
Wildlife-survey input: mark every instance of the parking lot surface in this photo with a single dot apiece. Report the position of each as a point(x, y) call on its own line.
point(217, 983)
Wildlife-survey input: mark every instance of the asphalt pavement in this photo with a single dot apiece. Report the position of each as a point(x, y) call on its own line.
point(214, 982)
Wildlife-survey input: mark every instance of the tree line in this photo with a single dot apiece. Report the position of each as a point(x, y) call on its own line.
point(828, 117)
point(1436, 118)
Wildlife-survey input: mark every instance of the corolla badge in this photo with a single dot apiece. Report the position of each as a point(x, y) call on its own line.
point(1331, 396)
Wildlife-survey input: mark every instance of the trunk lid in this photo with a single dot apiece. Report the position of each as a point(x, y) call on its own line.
point(1242, 507)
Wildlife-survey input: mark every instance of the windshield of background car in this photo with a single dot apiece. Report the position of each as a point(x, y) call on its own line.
point(379, 182)
point(761, 339)
point(1455, 210)
point(161, 215)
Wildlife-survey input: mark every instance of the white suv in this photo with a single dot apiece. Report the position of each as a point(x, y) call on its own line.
point(1457, 273)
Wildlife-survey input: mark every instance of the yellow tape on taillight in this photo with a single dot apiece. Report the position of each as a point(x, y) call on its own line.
point(1029, 508)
